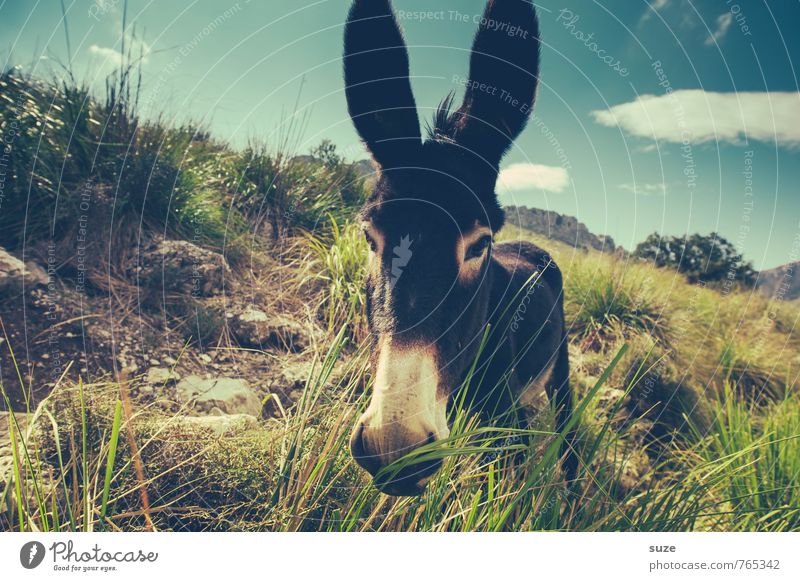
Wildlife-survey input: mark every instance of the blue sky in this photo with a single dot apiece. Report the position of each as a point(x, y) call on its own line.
point(676, 116)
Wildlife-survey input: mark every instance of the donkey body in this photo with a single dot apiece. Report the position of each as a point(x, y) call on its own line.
point(436, 280)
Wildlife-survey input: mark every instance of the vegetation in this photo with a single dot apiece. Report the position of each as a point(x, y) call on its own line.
point(708, 258)
point(688, 409)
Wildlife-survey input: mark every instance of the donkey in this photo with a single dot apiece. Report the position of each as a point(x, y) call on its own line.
point(435, 278)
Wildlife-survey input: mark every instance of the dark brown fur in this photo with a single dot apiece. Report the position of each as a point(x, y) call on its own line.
point(428, 196)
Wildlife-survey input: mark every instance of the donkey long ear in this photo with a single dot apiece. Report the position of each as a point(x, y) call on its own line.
point(503, 76)
point(377, 86)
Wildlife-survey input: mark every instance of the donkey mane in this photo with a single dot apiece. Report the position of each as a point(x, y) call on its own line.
point(444, 121)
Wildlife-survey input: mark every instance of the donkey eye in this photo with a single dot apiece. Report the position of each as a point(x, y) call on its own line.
point(371, 241)
point(477, 249)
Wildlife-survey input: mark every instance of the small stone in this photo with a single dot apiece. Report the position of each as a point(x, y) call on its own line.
point(161, 376)
point(254, 328)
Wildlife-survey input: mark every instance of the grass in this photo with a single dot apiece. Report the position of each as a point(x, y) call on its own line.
point(71, 472)
point(759, 450)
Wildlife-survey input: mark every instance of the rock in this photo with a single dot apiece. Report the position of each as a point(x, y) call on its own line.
point(555, 226)
point(254, 328)
point(233, 396)
point(14, 273)
point(180, 266)
point(161, 376)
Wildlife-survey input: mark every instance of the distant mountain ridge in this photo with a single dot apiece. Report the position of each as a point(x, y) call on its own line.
point(566, 229)
point(781, 283)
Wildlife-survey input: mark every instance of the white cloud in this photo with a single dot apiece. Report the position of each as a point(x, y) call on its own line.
point(645, 189)
point(654, 7)
point(724, 22)
point(134, 46)
point(110, 55)
point(699, 116)
point(648, 148)
point(527, 176)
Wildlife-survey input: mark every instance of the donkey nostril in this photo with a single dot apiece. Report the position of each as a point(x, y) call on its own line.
point(431, 438)
point(357, 441)
point(358, 448)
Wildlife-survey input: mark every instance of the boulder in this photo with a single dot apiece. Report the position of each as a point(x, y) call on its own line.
point(231, 395)
point(257, 329)
point(180, 266)
point(14, 273)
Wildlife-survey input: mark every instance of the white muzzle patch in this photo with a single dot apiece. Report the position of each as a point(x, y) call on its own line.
point(406, 407)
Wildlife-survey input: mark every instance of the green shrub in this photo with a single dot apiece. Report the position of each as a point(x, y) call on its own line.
point(603, 304)
point(339, 263)
point(295, 193)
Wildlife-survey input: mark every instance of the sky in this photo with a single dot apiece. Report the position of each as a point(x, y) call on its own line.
point(669, 116)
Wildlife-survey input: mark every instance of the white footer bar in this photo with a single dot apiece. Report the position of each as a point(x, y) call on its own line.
point(404, 556)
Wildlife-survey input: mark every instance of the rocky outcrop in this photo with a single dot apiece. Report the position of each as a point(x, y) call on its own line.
point(220, 395)
point(14, 274)
point(781, 283)
point(180, 266)
point(555, 226)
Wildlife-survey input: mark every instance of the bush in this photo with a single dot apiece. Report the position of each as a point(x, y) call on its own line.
point(708, 258)
point(295, 193)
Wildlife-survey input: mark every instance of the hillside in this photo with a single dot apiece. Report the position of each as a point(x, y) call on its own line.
point(781, 283)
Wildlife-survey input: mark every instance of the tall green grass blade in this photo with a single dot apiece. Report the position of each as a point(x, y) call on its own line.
point(112, 454)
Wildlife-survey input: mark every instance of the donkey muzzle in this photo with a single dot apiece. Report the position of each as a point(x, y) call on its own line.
point(382, 452)
point(406, 411)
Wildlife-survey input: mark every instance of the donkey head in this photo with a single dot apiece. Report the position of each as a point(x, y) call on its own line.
point(430, 220)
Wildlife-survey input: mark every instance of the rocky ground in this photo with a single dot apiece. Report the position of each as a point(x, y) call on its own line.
point(196, 335)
